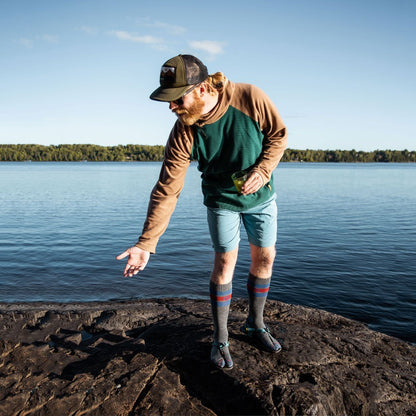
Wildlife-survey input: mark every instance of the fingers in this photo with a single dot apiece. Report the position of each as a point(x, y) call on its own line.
point(252, 184)
point(122, 255)
point(132, 269)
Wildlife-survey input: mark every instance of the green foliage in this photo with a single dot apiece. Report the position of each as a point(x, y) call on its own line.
point(138, 152)
point(348, 156)
point(80, 152)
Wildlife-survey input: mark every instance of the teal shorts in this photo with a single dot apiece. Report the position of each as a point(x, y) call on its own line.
point(259, 222)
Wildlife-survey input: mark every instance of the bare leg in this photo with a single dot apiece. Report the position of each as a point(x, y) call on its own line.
point(224, 265)
point(220, 293)
point(258, 284)
point(262, 259)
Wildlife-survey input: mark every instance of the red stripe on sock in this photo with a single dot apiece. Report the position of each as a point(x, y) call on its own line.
point(261, 290)
point(221, 298)
point(253, 289)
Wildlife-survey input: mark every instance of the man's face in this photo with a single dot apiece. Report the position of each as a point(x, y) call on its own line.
point(189, 108)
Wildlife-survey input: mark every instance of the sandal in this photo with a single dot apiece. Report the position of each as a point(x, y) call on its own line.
point(263, 337)
point(220, 356)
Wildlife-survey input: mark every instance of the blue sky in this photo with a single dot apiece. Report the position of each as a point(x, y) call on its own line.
point(341, 73)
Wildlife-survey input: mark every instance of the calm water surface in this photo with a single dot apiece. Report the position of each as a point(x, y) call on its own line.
point(346, 238)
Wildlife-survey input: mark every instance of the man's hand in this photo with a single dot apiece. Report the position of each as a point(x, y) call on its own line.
point(136, 262)
point(253, 183)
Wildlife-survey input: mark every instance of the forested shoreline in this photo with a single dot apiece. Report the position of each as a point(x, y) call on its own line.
point(135, 152)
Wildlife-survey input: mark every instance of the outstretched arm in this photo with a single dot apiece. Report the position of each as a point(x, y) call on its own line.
point(162, 201)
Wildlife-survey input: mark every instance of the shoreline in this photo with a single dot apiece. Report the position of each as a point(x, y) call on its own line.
point(151, 356)
point(107, 304)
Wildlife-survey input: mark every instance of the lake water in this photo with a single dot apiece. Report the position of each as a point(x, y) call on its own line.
point(346, 238)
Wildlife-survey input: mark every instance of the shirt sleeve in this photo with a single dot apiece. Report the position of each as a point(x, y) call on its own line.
point(166, 192)
point(274, 131)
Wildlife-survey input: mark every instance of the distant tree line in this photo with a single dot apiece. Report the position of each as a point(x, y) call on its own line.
point(349, 156)
point(80, 152)
point(137, 152)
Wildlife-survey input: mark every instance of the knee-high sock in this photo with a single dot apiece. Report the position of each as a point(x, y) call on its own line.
point(257, 294)
point(220, 305)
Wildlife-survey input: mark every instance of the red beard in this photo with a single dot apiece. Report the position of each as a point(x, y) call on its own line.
point(190, 116)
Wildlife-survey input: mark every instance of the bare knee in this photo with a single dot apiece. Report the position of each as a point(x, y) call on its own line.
point(262, 260)
point(224, 265)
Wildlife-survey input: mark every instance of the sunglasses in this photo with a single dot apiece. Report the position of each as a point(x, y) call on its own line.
point(179, 101)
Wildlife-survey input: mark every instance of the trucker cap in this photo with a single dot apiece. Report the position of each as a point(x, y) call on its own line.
point(177, 75)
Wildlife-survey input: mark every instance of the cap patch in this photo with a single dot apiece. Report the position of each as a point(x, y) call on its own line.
point(167, 75)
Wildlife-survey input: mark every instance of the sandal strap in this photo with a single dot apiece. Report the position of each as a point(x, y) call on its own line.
point(249, 330)
point(221, 345)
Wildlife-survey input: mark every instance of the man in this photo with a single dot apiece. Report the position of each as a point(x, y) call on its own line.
point(226, 127)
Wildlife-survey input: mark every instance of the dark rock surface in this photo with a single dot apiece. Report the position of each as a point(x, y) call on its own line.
point(150, 357)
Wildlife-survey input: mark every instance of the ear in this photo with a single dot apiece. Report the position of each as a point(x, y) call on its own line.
point(202, 89)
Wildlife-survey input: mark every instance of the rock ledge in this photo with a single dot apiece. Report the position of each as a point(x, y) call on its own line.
point(150, 357)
